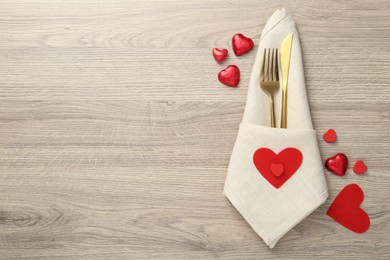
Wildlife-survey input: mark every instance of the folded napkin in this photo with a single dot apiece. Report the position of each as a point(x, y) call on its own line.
point(275, 177)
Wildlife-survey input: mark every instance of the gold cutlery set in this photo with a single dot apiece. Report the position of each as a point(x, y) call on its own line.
point(269, 76)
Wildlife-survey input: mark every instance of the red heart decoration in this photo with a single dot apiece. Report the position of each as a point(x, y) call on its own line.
point(277, 169)
point(346, 210)
point(290, 159)
point(230, 76)
point(241, 44)
point(337, 164)
point(359, 167)
point(330, 136)
point(219, 55)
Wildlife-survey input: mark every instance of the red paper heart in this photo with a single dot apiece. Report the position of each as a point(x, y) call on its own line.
point(277, 169)
point(219, 54)
point(230, 76)
point(337, 164)
point(360, 167)
point(330, 136)
point(346, 210)
point(290, 158)
point(241, 44)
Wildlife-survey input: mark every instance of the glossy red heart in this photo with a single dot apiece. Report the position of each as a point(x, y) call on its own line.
point(219, 54)
point(346, 210)
point(337, 164)
point(241, 44)
point(359, 167)
point(230, 76)
point(330, 136)
point(290, 159)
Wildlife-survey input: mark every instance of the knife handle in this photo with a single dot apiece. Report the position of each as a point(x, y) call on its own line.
point(283, 121)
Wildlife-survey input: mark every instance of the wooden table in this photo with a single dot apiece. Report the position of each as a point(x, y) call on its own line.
point(115, 134)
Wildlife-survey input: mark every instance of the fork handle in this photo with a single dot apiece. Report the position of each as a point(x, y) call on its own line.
point(272, 111)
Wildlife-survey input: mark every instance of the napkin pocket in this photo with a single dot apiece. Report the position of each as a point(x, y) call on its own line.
point(275, 178)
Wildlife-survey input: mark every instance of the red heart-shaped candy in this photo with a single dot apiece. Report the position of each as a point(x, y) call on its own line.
point(277, 168)
point(219, 54)
point(346, 210)
point(330, 136)
point(359, 167)
point(241, 44)
point(337, 164)
point(230, 76)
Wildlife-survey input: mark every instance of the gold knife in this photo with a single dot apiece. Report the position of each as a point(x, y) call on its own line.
point(285, 53)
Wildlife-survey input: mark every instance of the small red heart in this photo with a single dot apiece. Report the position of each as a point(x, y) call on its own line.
point(219, 55)
point(346, 210)
point(330, 136)
point(337, 164)
point(241, 44)
point(277, 169)
point(290, 159)
point(230, 76)
point(360, 167)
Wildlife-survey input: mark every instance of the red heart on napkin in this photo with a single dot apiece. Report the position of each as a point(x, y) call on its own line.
point(359, 167)
point(337, 164)
point(330, 136)
point(346, 210)
point(241, 44)
point(230, 76)
point(219, 55)
point(267, 163)
point(277, 169)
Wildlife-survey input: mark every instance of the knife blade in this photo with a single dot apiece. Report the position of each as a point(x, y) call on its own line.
point(285, 53)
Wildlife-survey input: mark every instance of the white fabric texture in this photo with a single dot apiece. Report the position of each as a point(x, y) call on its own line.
point(272, 212)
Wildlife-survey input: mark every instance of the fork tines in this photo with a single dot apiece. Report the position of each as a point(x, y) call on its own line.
point(270, 67)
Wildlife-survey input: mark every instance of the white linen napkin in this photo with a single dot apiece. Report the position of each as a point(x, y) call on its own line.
point(271, 211)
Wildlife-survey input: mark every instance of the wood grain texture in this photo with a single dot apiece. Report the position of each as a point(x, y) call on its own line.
point(115, 134)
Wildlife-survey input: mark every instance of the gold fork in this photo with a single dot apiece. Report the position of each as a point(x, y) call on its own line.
point(269, 77)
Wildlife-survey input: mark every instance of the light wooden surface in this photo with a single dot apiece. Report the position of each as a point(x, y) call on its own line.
point(115, 134)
